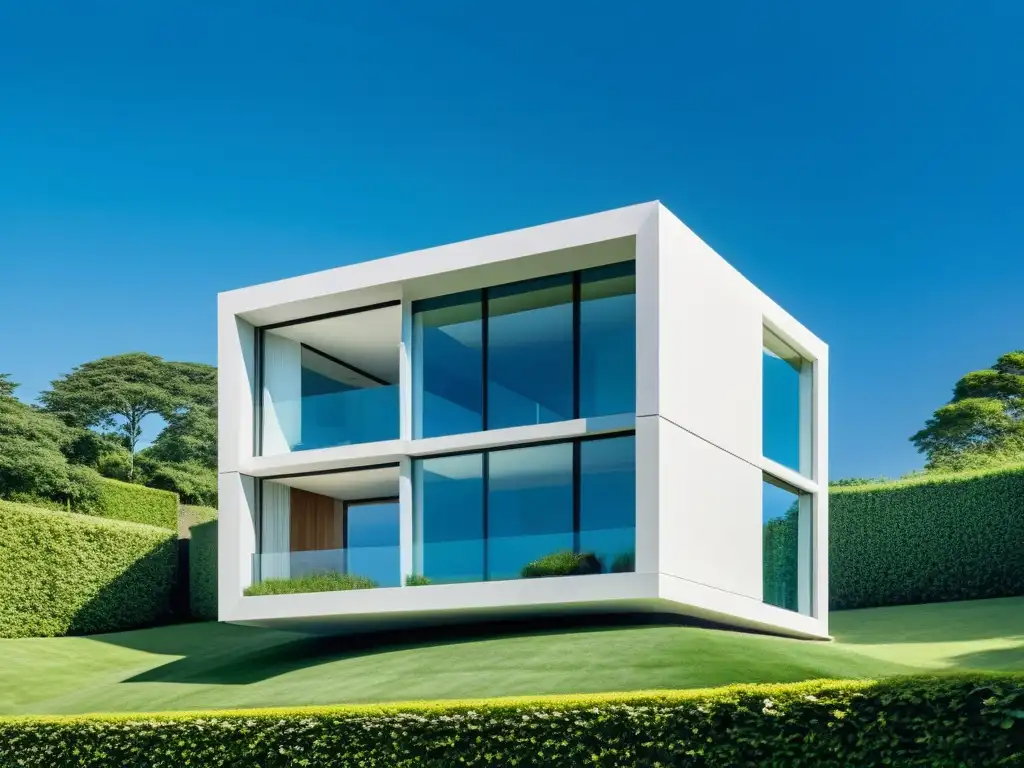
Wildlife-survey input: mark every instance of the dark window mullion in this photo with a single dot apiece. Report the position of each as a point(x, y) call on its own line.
point(486, 470)
point(576, 482)
point(485, 348)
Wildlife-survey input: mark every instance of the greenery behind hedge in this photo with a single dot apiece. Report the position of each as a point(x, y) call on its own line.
point(928, 539)
point(66, 573)
point(202, 571)
point(958, 721)
point(138, 504)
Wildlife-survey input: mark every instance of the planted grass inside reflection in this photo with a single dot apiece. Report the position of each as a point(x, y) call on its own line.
point(327, 581)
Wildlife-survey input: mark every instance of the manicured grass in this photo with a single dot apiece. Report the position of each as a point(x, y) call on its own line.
point(210, 665)
point(329, 581)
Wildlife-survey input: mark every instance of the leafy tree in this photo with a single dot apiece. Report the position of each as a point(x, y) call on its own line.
point(983, 424)
point(115, 394)
point(32, 462)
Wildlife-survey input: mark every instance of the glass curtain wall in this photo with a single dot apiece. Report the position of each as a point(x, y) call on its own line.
point(786, 405)
point(787, 546)
point(532, 352)
point(489, 515)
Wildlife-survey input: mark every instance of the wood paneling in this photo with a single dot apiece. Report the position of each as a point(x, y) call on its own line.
point(317, 522)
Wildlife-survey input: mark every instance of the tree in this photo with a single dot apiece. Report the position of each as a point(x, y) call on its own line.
point(115, 394)
point(32, 461)
point(983, 424)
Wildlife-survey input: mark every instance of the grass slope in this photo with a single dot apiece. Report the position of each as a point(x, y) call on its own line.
point(210, 665)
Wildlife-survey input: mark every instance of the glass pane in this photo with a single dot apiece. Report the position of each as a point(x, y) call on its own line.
point(448, 518)
point(786, 405)
point(786, 564)
point(608, 502)
point(530, 353)
point(608, 340)
point(324, 386)
point(448, 365)
point(373, 541)
point(529, 512)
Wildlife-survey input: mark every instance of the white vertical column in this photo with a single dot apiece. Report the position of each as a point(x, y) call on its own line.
point(648, 322)
point(406, 374)
point(807, 419)
point(405, 517)
point(236, 368)
point(805, 554)
point(649, 474)
point(820, 469)
point(236, 539)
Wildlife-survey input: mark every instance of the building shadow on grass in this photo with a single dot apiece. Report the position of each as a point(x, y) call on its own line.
point(994, 660)
point(230, 655)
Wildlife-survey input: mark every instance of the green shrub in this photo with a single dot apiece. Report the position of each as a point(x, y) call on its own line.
point(190, 516)
point(963, 721)
point(64, 573)
point(137, 504)
point(327, 581)
point(927, 539)
point(624, 562)
point(202, 570)
point(414, 580)
point(562, 564)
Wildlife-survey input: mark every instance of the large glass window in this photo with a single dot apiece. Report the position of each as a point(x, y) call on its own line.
point(787, 546)
point(316, 529)
point(448, 518)
point(560, 509)
point(448, 391)
point(608, 501)
point(786, 405)
point(331, 381)
point(608, 340)
point(530, 352)
point(538, 351)
point(529, 507)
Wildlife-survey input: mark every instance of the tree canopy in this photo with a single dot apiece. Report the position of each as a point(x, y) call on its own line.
point(983, 423)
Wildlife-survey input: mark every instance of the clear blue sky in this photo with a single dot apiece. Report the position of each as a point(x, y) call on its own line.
point(863, 163)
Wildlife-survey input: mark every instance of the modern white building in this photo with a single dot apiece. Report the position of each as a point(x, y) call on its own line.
point(591, 416)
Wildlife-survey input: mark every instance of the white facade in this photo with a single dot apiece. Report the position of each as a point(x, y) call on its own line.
point(701, 473)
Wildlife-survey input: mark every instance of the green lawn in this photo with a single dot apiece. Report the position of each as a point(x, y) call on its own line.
point(217, 666)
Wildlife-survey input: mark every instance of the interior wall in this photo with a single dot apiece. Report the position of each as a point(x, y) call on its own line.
point(317, 522)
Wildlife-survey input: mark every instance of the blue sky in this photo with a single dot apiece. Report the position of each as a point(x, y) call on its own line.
point(860, 162)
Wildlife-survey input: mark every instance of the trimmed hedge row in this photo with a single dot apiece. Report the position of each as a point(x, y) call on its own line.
point(138, 504)
point(962, 721)
point(65, 573)
point(202, 570)
point(928, 539)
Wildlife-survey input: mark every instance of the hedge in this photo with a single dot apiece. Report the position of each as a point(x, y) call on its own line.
point(190, 516)
point(927, 539)
point(138, 504)
point(202, 570)
point(66, 573)
point(963, 721)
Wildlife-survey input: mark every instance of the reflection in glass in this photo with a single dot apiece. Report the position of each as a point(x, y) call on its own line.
point(787, 547)
point(608, 501)
point(786, 399)
point(529, 513)
point(372, 541)
point(530, 352)
point(448, 518)
point(608, 340)
point(448, 365)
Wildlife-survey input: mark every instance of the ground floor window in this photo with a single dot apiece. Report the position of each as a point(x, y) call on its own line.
point(556, 509)
point(787, 570)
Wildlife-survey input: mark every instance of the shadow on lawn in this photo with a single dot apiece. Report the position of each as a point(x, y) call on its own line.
point(230, 655)
point(994, 660)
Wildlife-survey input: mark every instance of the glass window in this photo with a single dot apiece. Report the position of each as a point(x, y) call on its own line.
point(608, 502)
point(608, 340)
point(448, 390)
point(448, 518)
point(786, 405)
point(530, 352)
point(330, 382)
point(372, 541)
point(787, 546)
point(529, 506)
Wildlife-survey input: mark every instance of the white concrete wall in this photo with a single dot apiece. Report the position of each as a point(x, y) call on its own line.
point(710, 511)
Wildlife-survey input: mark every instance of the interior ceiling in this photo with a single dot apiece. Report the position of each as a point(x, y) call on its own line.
point(349, 486)
point(367, 340)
